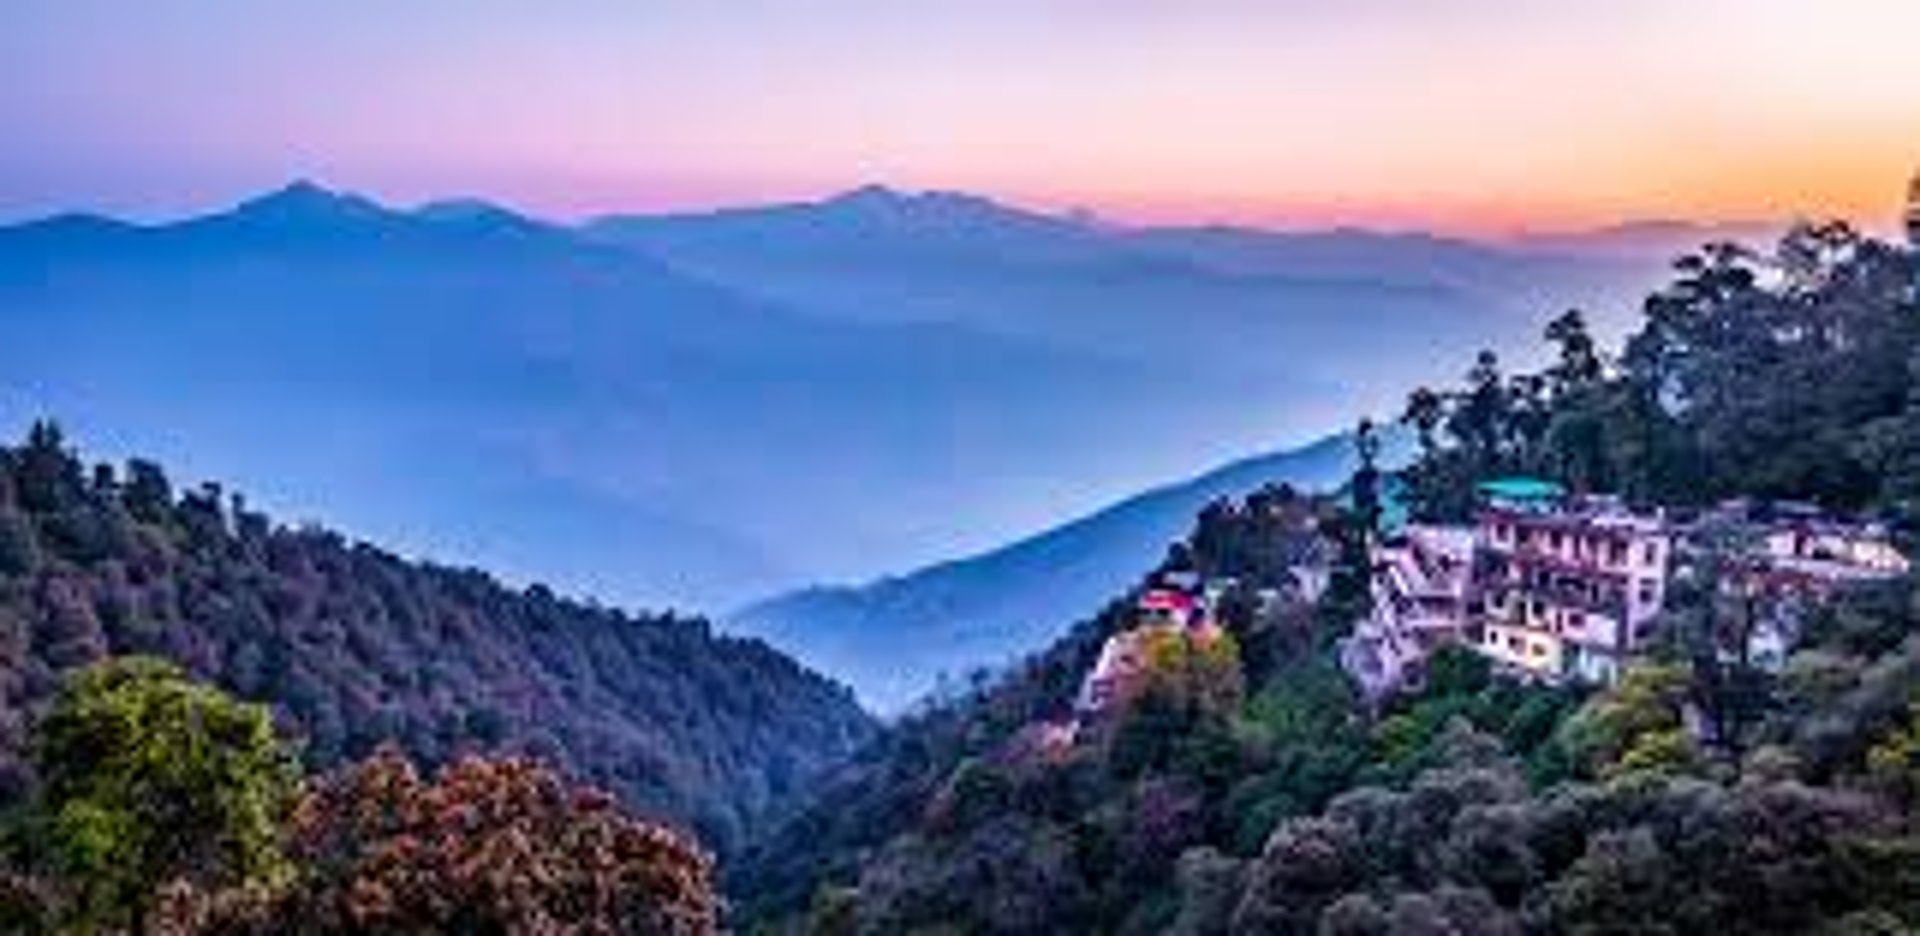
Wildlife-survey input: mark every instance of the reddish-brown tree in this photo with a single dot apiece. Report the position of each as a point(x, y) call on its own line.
point(488, 846)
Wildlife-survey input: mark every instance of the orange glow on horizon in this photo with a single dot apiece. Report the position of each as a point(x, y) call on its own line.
point(1469, 116)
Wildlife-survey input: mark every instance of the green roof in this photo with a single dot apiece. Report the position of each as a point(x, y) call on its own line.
point(1522, 489)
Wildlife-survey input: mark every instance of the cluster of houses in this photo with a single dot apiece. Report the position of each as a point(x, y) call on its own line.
point(1186, 605)
point(1548, 585)
point(1178, 605)
point(1564, 588)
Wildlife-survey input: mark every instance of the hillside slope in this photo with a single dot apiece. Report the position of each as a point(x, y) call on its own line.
point(355, 647)
point(1241, 784)
point(893, 639)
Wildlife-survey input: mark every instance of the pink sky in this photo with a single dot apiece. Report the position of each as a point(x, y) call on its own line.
point(1473, 115)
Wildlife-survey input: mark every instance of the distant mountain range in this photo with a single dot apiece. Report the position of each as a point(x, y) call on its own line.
point(895, 638)
point(1657, 241)
point(1231, 300)
point(702, 409)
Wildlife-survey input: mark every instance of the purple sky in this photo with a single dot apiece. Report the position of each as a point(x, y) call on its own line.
point(1469, 114)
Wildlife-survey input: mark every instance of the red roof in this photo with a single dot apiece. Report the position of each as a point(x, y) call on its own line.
point(1161, 599)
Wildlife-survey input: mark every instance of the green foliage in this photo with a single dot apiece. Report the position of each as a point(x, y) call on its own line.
point(168, 808)
point(1194, 672)
point(1305, 737)
point(150, 778)
point(1638, 726)
point(1355, 530)
point(355, 647)
point(1786, 376)
point(1894, 763)
point(1461, 692)
point(19, 545)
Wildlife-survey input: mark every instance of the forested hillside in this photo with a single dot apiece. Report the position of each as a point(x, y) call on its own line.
point(1701, 793)
point(355, 647)
point(1793, 374)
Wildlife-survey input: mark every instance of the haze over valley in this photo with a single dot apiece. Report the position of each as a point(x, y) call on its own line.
point(703, 410)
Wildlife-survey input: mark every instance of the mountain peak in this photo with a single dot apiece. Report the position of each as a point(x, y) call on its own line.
point(885, 196)
point(305, 200)
point(871, 194)
point(475, 211)
point(303, 188)
point(937, 208)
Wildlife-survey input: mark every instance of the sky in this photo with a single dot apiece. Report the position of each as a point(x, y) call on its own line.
point(1461, 115)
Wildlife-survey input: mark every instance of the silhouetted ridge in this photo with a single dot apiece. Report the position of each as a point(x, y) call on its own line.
point(303, 201)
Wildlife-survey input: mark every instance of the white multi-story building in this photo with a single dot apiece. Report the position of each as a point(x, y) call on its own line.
point(1566, 590)
point(1422, 584)
point(1830, 550)
point(1801, 557)
point(1546, 585)
point(1424, 581)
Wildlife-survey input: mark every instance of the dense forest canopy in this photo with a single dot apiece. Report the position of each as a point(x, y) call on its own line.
point(354, 647)
point(1786, 375)
point(1698, 794)
point(167, 807)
